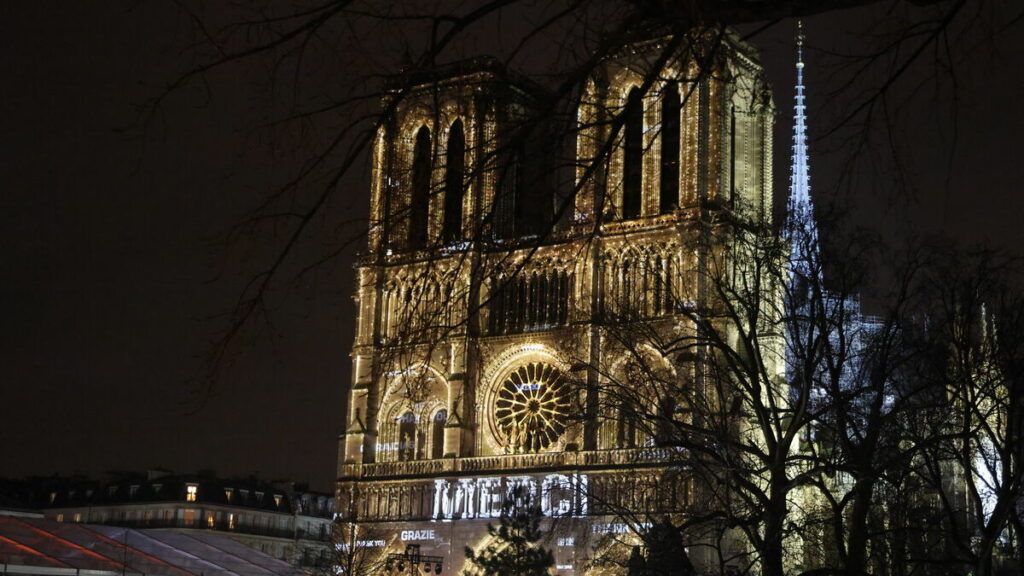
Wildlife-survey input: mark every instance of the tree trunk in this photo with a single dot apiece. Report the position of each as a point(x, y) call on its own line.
point(774, 527)
point(857, 535)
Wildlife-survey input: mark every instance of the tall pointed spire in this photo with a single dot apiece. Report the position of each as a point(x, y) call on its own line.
point(799, 176)
point(801, 228)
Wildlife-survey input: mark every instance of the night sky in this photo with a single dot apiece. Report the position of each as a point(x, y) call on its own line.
point(116, 276)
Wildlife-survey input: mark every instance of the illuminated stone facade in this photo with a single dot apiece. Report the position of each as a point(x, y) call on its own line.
point(479, 355)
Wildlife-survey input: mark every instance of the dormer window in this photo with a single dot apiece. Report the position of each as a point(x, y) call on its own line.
point(191, 492)
point(229, 493)
point(53, 497)
point(132, 490)
point(259, 497)
point(111, 490)
point(157, 487)
point(277, 500)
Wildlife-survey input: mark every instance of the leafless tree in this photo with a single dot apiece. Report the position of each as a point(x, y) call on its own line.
point(358, 549)
point(973, 463)
point(375, 49)
point(761, 403)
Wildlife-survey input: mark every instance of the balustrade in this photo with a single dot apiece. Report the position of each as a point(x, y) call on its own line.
point(515, 462)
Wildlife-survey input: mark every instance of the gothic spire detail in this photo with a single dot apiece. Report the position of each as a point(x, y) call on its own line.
point(800, 228)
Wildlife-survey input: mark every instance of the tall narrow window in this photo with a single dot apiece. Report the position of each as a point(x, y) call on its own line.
point(670, 149)
point(419, 202)
point(506, 197)
point(454, 184)
point(632, 177)
point(665, 432)
point(407, 437)
point(437, 434)
point(626, 429)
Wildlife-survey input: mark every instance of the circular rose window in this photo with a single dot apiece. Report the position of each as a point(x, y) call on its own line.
point(531, 407)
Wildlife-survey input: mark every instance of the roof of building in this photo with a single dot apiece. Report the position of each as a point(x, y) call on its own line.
point(45, 547)
point(138, 488)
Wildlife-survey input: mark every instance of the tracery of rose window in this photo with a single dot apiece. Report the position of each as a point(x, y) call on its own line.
point(531, 408)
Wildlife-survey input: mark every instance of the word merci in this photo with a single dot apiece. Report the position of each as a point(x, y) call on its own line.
point(558, 495)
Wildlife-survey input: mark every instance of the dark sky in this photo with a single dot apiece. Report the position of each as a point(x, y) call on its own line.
point(114, 268)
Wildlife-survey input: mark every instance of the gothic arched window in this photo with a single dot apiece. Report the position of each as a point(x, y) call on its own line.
point(670, 149)
point(419, 201)
point(437, 434)
point(627, 429)
point(666, 433)
point(454, 184)
point(506, 196)
point(407, 437)
point(633, 155)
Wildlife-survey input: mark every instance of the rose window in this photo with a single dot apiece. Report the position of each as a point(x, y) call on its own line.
point(531, 407)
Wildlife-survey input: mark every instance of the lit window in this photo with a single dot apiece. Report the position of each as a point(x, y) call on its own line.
point(277, 500)
point(78, 517)
point(231, 521)
point(190, 492)
point(188, 517)
point(53, 497)
point(228, 493)
point(210, 520)
point(60, 517)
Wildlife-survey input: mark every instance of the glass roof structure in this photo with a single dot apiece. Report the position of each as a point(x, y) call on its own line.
point(34, 546)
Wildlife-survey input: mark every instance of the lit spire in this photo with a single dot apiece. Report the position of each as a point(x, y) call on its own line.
point(801, 228)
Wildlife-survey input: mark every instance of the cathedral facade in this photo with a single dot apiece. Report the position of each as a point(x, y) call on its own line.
point(502, 306)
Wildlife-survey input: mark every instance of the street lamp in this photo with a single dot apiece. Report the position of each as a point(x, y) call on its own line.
point(399, 562)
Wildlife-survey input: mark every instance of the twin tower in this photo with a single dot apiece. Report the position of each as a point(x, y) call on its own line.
point(511, 246)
